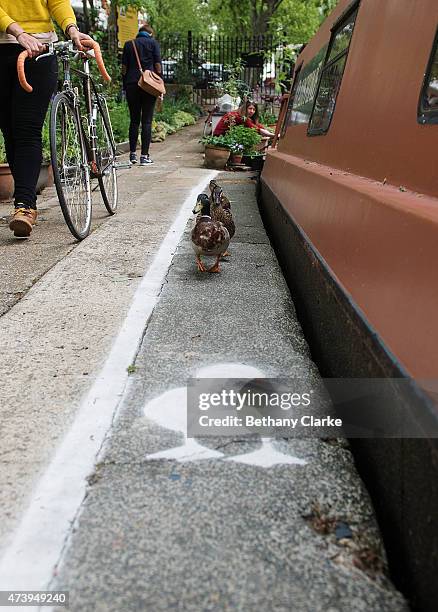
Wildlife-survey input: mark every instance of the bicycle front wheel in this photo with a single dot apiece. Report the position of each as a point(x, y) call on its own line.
point(106, 157)
point(70, 166)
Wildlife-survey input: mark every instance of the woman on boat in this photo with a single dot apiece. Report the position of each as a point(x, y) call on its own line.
point(247, 115)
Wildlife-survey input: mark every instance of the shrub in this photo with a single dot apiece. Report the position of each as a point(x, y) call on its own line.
point(176, 114)
point(181, 118)
point(217, 141)
point(249, 138)
point(119, 114)
point(2, 150)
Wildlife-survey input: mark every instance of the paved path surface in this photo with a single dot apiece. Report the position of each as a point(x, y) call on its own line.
point(70, 301)
point(167, 523)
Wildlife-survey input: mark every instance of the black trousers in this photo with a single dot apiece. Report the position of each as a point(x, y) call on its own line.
point(22, 116)
point(141, 110)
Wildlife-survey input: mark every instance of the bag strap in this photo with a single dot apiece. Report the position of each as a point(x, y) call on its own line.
point(136, 55)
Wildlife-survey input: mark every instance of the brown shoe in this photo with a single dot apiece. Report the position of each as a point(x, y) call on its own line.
point(23, 221)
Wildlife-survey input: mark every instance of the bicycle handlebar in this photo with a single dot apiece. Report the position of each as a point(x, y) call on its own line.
point(90, 44)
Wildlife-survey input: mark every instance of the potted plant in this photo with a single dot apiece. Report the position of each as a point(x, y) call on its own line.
point(6, 180)
point(233, 84)
point(217, 151)
point(269, 120)
point(236, 153)
point(249, 138)
point(45, 178)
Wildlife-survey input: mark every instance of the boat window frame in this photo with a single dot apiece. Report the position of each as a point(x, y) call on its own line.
point(335, 29)
point(292, 92)
point(427, 116)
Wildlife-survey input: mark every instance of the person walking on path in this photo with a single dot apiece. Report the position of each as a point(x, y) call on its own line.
point(26, 24)
point(141, 104)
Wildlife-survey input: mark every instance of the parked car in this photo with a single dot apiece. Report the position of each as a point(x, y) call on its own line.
point(214, 72)
point(169, 70)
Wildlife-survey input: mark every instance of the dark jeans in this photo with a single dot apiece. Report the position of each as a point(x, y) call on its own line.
point(22, 116)
point(141, 108)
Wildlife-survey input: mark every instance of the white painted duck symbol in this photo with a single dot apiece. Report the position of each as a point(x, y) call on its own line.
point(169, 410)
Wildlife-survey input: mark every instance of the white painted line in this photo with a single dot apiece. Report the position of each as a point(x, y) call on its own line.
point(29, 561)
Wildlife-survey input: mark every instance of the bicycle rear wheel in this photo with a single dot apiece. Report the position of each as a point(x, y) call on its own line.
point(106, 157)
point(70, 166)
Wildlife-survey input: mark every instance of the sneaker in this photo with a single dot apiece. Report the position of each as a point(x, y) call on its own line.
point(145, 160)
point(23, 221)
point(133, 158)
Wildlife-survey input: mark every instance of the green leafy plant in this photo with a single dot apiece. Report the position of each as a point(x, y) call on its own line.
point(46, 140)
point(119, 115)
point(249, 138)
point(267, 119)
point(3, 159)
point(233, 85)
point(255, 154)
point(217, 141)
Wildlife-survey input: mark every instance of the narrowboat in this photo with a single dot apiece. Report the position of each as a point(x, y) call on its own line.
point(350, 198)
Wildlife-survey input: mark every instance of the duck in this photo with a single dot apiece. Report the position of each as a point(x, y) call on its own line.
point(220, 207)
point(209, 237)
point(221, 211)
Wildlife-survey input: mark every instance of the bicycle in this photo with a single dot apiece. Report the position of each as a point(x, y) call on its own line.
point(79, 153)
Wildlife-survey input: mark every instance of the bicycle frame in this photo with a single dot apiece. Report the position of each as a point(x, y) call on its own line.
point(64, 50)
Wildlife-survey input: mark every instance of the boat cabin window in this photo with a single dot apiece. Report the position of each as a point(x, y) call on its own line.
point(428, 107)
point(331, 74)
point(304, 90)
point(293, 91)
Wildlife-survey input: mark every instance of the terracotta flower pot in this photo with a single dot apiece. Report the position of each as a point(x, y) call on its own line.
point(216, 157)
point(235, 158)
point(6, 183)
point(45, 179)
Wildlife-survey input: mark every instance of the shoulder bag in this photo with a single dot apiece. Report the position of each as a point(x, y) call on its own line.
point(149, 81)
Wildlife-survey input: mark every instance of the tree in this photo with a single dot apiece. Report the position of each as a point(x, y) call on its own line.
point(296, 19)
point(168, 17)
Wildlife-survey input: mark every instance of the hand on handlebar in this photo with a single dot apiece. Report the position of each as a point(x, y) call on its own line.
point(86, 44)
point(77, 37)
point(31, 44)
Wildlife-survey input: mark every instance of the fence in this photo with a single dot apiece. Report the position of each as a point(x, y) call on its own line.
point(205, 62)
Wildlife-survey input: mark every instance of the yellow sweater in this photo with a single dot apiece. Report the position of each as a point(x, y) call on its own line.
point(34, 15)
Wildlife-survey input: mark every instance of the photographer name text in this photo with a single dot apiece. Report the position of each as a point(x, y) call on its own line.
point(268, 421)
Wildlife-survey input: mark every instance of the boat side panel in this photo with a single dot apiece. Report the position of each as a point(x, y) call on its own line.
point(374, 130)
point(381, 243)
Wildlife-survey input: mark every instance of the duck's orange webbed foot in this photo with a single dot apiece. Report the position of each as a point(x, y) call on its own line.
point(226, 254)
point(200, 265)
point(215, 267)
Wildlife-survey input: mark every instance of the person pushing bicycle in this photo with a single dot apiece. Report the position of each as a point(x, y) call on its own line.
point(26, 24)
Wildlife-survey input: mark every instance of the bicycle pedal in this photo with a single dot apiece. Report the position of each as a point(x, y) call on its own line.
point(122, 166)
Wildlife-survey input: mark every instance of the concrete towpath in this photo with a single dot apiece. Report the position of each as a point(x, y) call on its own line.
point(63, 304)
point(230, 524)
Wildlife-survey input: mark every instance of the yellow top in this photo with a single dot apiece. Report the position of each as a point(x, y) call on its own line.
point(34, 16)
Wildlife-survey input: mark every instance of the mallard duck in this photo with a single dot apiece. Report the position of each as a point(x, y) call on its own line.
point(225, 202)
point(209, 237)
point(221, 211)
point(212, 185)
